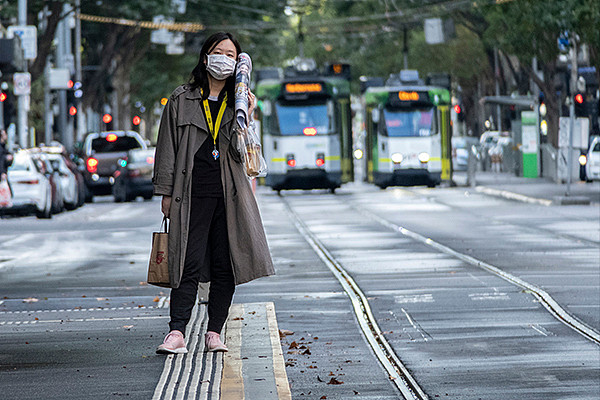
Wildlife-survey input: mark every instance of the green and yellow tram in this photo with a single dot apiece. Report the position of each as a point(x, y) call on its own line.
point(306, 131)
point(408, 135)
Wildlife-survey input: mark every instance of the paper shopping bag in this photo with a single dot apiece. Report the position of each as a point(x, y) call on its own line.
point(158, 268)
point(5, 194)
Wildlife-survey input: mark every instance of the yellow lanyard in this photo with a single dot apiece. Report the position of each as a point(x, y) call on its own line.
point(214, 130)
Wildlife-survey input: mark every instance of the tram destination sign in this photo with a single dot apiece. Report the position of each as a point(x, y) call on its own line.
point(406, 98)
point(303, 87)
point(303, 90)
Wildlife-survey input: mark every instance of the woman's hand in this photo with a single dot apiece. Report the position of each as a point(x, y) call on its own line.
point(251, 103)
point(166, 205)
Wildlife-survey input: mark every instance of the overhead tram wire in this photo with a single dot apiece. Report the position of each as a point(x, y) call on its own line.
point(411, 15)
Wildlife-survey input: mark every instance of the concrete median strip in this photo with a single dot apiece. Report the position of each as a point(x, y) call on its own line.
point(252, 368)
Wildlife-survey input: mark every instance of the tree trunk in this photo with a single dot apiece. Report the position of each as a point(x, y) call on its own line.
point(46, 39)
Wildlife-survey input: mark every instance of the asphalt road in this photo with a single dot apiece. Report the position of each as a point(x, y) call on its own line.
point(77, 320)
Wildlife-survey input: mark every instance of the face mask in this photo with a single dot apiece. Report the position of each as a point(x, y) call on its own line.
point(220, 66)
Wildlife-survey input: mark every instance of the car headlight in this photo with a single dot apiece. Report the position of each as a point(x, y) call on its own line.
point(582, 159)
point(424, 157)
point(397, 158)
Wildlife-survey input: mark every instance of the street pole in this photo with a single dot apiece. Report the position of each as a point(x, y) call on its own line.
point(23, 100)
point(571, 114)
point(78, 74)
point(497, 80)
point(48, 116)
point(405, 48)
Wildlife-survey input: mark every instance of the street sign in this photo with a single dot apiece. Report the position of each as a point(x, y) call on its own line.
point(58, 78)
point(22, 83)
point(28, 35)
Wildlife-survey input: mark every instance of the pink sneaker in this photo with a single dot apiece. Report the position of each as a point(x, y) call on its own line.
point(213, 342)
point(173, 344)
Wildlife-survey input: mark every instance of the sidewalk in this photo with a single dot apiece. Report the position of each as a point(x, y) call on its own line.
point(532, 190)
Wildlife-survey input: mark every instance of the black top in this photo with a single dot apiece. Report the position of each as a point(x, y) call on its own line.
point(206, 177)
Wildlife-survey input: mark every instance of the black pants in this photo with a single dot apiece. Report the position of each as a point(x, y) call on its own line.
point(207, 259)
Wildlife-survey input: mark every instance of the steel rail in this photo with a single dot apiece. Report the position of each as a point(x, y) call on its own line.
point(398, 373)
point(543, 297)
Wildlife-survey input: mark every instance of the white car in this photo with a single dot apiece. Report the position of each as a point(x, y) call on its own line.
point(592, 165)
point(68, 180)
point(32, 191)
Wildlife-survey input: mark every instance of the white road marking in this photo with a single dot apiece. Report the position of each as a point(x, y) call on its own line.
point(489, 296)
point(535, 328)
point(415, 298)
point(415, 325)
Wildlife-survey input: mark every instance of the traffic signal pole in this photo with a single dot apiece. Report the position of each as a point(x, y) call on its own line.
point(23, 100)
point(573, 89)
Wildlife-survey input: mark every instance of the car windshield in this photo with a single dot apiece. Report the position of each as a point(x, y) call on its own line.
point(596, 147)
point(146, 156)
point(122, 143)
point(409, 123)
point(294, 120)
point(20, 163)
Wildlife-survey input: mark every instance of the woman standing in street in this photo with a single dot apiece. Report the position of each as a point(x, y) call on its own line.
point(216, 233)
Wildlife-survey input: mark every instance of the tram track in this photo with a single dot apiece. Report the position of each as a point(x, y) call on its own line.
point(397, 371)
point(553, 307)
point(522, 226)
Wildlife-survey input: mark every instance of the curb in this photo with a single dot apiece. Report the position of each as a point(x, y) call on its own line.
point(513, 196)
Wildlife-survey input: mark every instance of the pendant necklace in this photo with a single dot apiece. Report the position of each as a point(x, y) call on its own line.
point(214, 130)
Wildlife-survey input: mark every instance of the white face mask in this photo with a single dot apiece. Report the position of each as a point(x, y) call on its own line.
point(220, 66)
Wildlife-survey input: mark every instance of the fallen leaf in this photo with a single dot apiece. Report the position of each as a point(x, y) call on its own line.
point(30, 300)
point(331, 373)
point(156, 299)
point(323, 397)
point(143, 283)
point(312, 367)
point(334, 381)
point(238, 319)
point(293, 345)
point(285, 332)
point(127, 326)
point(319, 379)
point(307, 352)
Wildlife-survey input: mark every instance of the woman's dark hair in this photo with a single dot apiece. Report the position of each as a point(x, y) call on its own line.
point(199, 78)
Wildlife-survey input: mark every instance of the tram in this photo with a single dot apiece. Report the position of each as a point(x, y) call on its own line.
point(408, 134)
point(306, 125)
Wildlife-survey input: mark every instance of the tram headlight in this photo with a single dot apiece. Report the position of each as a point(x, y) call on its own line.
point(397, 158)
point(424, 158)
point(358, 154)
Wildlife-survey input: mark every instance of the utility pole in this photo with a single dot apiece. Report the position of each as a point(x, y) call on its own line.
point(80, 129)
point(572, 89)
point(23, 100)
point(63, 58)
point(497, 80)
point(405, 48)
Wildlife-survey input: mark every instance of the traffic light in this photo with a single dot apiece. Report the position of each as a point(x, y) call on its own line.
point(460, 115)
point(3, 97)
point(580, 105)
point(107, 119)
point(136, 120)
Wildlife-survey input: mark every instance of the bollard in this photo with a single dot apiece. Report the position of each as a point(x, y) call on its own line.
point(472, 166)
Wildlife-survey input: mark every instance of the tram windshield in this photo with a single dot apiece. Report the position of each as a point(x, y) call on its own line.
point(307, 120)
point(409, 123)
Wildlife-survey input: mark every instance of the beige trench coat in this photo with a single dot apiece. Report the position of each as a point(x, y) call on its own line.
point(182, 131)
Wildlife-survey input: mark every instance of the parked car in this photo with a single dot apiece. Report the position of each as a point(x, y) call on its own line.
point(69, 160)
point(592, 164)
point(101, 152)
point(31, 188)
point(133, 176)
point(461, 145)
point(45, 167)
